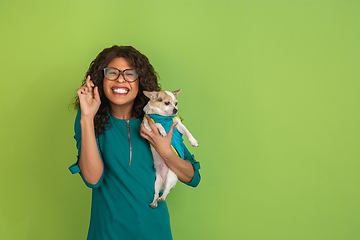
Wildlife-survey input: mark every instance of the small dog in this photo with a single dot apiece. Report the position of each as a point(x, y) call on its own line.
point(162, 108)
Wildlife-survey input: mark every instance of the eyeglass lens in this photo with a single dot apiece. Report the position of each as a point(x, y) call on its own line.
point(112, 74)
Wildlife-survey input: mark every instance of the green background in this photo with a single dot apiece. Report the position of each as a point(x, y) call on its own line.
point(271, 92)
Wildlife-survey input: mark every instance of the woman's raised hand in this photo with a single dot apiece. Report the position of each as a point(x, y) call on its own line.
point(89, 98)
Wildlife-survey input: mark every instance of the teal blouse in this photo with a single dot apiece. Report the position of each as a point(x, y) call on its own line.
point(120, 200)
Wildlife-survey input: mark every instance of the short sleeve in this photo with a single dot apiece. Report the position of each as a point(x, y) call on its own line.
point(196, 165)
point(74, 168)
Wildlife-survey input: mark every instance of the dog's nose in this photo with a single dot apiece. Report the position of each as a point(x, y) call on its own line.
point(175, 111)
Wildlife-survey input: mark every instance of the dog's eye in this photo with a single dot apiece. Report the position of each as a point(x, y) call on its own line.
point(176, 104)
point(159, 100)
point(167, 103)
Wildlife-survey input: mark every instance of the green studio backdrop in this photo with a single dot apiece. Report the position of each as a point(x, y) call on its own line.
point(271, 91)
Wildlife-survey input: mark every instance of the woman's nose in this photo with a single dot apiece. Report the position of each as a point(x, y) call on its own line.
point(121, 79)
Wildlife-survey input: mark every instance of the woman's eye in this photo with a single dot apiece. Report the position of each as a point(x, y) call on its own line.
point(167, 103)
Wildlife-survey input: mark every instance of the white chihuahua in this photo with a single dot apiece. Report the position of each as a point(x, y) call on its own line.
point(162, 108)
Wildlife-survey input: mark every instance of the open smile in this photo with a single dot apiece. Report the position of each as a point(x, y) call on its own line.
point(120, 90)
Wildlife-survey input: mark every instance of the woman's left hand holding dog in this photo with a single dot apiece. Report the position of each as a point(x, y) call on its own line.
point(182, 168)
point(160, 143)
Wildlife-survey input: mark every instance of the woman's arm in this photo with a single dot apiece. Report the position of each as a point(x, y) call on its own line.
point(90, 162)
point(182, 168)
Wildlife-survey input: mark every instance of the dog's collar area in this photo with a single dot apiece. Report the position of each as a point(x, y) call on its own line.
point(160, 117)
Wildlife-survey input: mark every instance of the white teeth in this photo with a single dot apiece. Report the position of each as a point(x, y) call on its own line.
point(120, 90)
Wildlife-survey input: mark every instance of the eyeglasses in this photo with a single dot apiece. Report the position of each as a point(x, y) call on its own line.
point(112, 74)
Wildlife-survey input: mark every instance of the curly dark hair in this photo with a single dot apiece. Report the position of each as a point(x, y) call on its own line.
point(148, 81)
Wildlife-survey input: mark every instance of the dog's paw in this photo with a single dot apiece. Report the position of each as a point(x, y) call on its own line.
point(194, 142)
point(163, 132)
point(161, 129)
point(153, 205)
point(160, 199)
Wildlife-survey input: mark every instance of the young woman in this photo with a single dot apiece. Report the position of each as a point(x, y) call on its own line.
point(114, 157)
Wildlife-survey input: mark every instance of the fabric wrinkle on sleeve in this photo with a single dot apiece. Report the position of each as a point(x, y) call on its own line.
point(74, 168)
point(196, 165)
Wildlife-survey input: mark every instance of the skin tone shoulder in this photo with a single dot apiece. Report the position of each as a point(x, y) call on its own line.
point(121, 95)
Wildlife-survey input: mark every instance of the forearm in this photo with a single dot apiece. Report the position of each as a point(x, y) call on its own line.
point(90, 162)
point(182, 168)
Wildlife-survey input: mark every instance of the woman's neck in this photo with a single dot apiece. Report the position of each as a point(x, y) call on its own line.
point(121, 112)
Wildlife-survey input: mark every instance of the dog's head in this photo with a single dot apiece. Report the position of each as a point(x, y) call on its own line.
point(163, 103)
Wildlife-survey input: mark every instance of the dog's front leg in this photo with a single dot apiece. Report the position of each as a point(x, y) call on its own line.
point(183, 130)
point(158, 126)
point(146, 125)
point(161, 129)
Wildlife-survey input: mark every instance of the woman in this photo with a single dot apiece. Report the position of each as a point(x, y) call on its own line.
point(114, 156)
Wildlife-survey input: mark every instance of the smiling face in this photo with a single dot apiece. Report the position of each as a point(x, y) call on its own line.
point(121, 94)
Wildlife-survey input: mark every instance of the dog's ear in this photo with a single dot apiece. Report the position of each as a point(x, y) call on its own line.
point(151, 95)
point(176, 93)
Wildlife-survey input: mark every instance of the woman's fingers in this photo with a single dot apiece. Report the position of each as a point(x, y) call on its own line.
point(145, 133)
point(88, 88)
point(96, 94)
point(154, 136)
point(144, 130)
point(89, 84)
point(155, 130)
point(88, 80)
point(151, 124)
point(170, 133)
point(82, 90)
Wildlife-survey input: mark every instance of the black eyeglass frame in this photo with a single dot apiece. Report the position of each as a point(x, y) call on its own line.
point(121, 73)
